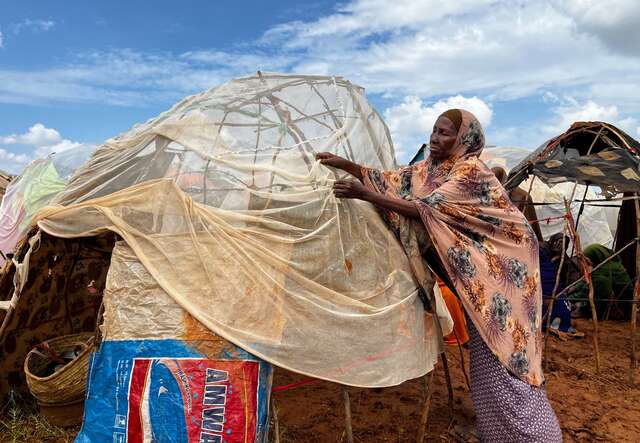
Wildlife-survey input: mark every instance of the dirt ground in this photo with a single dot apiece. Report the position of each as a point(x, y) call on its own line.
point(590, 407)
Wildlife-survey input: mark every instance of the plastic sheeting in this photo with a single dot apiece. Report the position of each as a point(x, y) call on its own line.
point(596, 223)
point(38, 184)
point(5, 179)
point(246, 235)
point(159, 375)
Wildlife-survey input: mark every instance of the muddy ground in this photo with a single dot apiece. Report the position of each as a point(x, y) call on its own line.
point(590, 407)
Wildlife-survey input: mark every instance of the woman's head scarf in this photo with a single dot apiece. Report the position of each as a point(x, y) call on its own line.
point(470, 139)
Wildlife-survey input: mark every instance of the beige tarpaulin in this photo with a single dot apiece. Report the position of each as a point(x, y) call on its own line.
point(222, 202)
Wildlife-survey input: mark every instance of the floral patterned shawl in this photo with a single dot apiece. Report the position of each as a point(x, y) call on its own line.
point(488, 250)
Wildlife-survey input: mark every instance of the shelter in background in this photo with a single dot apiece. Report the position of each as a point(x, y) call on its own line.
point(598, 223)
point(5, 179)
point(589, 153)
point(33, 189)
point(594, 154)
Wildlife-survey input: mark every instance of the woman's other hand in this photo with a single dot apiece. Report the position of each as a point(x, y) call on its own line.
point(350, 189)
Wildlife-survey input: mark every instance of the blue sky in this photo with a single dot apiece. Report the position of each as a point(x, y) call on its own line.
point(77, 72)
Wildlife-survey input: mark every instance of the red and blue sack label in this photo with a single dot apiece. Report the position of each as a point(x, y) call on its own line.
point(136, 395)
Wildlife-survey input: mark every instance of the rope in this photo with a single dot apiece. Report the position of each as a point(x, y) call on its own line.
point(548, 219)
point(295, 385)
point(597, 299)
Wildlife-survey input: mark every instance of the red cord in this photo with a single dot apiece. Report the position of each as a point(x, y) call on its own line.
point(295, 385)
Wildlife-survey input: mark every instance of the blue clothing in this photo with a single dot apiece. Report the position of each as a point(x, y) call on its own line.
point(561, 307)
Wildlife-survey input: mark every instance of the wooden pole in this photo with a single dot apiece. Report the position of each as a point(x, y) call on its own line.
point(633, 364)
point(533, 178)
point(554, 294)
point(445, 363)
point(464, 369)
point(584, 196)
point(424, 416)
point(347, 414)
point(276, 423)
point(587, 277)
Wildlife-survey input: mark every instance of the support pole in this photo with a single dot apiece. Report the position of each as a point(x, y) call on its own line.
point(587, 276)
point(424, 416)
point(347, 414)
point(533, 178)
point(573, 193)
point(464, 368)
point(445, 363)
point(633, 364)
point(584, 196)
point(276, 423)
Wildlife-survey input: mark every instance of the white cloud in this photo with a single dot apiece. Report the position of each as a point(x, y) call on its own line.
point(411, 121)
point(38, 141)
point(507, 49)
point(614, 22)
point(63, 145)
point(38, 135)
point(8, 160)
point(495, 49)
point(562, 112)
point(129, 78)
point(571, 110)
point(32, 25)
point(363, 18)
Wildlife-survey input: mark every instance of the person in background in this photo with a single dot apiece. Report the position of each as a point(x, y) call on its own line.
point(610, 281)
point(522, 201)
point(550, 255)
point(452, 203)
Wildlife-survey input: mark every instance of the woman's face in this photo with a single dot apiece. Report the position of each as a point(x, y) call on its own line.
point(442, 138)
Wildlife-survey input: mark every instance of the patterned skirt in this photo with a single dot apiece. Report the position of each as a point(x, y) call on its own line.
point(507, 408)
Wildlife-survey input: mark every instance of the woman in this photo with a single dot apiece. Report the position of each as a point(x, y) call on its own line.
point(488, 252)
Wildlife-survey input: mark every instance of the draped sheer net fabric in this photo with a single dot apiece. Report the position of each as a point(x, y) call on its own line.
point(221, 199)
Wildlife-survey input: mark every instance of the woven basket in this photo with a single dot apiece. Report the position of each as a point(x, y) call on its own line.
point(69, 383)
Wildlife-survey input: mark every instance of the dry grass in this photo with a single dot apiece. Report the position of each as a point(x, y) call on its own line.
point(20, 422)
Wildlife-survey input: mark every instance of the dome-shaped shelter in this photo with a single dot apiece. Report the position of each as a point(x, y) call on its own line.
point(593, 153)
point(222, 214)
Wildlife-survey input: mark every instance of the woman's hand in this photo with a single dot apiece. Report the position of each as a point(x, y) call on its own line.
point(335, 161)
point(350, 189)
point(329, 159)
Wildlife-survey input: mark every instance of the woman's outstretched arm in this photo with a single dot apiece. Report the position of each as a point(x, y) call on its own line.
point(335, 161)
point(353, 189)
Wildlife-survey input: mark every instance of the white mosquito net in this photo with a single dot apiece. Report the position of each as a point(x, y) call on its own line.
point(221, 200)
